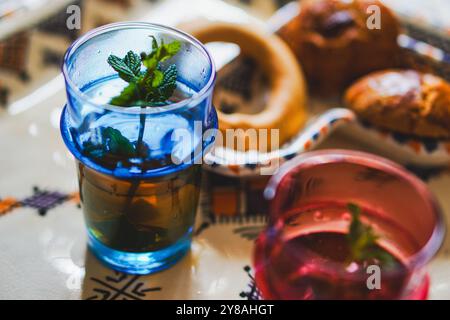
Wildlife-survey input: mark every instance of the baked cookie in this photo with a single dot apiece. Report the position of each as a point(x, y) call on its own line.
point(404, 101)
point(334, 44)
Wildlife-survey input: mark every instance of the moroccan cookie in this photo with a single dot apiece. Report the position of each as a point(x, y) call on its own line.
point(405, 101)
point(335, 45)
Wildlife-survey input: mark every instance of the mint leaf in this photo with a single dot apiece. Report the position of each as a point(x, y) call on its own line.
point(169, 83)
point(161, 52)
point(115, 143)
point(173, 48)
point(360, 236)
point(363, 240)
point(133, 62)
point(158, 78)
point(122, 68)
point(151, 63)
point(127, 97)
point(154, 43)
point(162, 85)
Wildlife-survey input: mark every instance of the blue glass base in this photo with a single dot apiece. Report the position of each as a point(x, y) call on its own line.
point(143, 262)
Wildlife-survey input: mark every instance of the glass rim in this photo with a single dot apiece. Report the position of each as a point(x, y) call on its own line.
point(69, 141)
point(197, 97)
point(314, 158)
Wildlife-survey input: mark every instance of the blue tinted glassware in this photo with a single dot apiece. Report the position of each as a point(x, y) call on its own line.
point(139, 206)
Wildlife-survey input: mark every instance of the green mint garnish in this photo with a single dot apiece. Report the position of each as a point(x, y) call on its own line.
point(114, 144)
point(152, 87)
point(117, 144)
point(363, 240)
point(148, 86)
point(129, 68)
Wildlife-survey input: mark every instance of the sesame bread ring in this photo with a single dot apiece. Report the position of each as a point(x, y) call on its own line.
point(285, 109)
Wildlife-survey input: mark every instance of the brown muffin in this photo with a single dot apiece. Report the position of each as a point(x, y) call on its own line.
point(334, 44)
point(405, 101)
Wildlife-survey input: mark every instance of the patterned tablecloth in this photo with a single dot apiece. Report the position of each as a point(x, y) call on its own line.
point(43, 243)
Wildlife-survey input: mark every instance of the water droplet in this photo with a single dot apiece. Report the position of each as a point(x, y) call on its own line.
point(33, 129)
point(318, 215)
point(352, 267)
point(346, 216)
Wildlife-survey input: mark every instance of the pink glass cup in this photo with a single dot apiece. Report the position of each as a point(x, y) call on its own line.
point(308, 214)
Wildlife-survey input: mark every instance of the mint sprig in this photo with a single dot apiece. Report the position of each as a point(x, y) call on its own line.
point(362, 240)
point(151, 87)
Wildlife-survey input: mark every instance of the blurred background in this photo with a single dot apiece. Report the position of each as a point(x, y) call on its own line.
point(35, 33)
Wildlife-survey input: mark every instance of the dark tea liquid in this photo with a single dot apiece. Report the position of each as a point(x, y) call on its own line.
point(309, 258)
point(139, 216)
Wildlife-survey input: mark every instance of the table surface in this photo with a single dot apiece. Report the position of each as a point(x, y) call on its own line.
point(43, 243)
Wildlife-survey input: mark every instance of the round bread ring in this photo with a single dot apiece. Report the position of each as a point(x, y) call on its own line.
point(285, 108)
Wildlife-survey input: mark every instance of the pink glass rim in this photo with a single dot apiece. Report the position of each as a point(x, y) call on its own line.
point(314, 158)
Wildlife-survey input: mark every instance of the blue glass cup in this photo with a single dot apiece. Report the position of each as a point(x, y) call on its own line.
point(140, 203)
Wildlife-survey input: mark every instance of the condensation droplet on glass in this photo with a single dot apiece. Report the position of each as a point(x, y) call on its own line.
point(346, 216)
point(318, 215)
point(352, 267)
